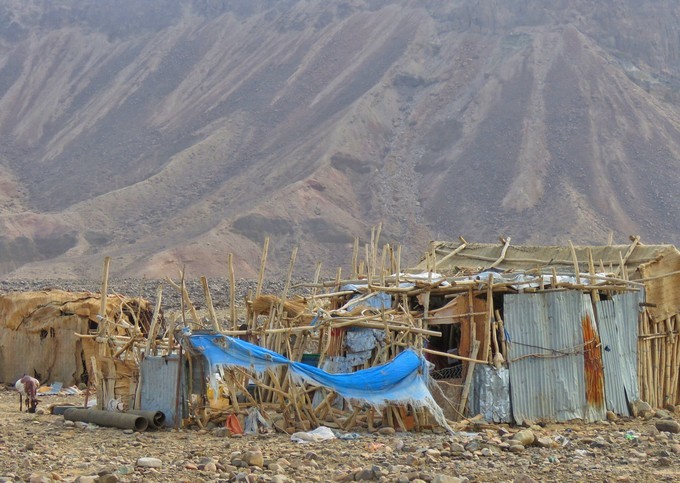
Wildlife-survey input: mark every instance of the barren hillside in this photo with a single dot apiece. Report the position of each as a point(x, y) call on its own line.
point(172, 133)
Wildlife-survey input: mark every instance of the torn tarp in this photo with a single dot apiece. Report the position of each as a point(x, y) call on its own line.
point(404, 380)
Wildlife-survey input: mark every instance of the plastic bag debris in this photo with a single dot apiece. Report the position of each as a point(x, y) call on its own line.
point(255, 423)
point(322, 433)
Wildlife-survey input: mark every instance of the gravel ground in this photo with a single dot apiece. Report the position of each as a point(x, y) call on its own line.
point(45, 447)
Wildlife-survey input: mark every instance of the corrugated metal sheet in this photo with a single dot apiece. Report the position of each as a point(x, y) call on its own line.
point(159, 386)
point(547, 377)
point(617, 320)
point(490, 395)
point(592, 363)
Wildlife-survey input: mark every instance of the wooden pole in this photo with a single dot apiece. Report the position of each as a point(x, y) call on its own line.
point(105, 289)
point(232, 293)
point(631, 248)
point(154, 320)
point(398, 268)
point(376, 243)
point(181, 298)
point(468, 379)
point(486, 352)
point(289, 276)
point(355, 258)
point(317, 274)
point(209, 305)
point(263, 263)
point(503, 252)
point(186, 301)
point(577, 270)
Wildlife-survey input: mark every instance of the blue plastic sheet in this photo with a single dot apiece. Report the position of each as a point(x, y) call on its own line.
point(404, 380)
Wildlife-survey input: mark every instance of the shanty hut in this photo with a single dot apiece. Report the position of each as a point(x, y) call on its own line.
point(582, 329)
point(52, 335)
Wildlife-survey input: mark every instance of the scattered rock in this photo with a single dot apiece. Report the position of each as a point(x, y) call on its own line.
point(637, 407)
point(387, 431)
point(525, 437)
point(544, 442)
point(668, 425)
point(254, 458)
point(149, 463)
point(110, 478)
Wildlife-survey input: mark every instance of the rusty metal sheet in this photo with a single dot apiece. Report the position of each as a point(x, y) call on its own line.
point(618, 323)
point(592, 363)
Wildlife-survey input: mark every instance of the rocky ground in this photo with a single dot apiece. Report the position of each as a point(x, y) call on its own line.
point(44, 447)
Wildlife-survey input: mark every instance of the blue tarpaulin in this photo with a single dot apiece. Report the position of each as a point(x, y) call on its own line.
point(404, 380)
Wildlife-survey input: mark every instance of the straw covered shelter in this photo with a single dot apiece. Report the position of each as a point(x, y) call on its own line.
point(51, 334)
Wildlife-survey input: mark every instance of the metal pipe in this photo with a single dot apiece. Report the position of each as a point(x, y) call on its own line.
point(156, 419)
point(107, 418)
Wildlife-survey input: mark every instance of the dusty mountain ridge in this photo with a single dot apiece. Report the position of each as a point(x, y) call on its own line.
point(171, 133)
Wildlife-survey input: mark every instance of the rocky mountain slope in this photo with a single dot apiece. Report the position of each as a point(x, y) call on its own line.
point(171, 133)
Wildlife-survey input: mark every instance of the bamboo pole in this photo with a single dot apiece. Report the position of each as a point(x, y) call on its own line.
point(642, 379)
point(676, 365)
point(669, 363)
point(650, 361)
point(655, 371)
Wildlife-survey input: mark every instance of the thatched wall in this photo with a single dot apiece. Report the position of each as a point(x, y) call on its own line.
point(38, 332)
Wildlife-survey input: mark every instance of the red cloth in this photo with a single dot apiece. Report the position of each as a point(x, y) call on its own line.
point(233, 424)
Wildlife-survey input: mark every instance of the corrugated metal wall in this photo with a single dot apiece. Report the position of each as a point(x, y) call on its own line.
point(555, 361)
point(617, 320)
point(159, 386)
point(547, 380)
